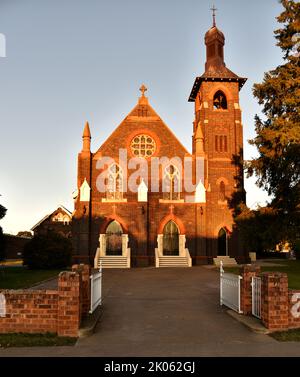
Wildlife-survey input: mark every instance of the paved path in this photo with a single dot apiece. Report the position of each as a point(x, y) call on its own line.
point(166, 312)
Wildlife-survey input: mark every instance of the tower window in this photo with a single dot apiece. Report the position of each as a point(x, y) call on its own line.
point(222, 192)
point(220, 101)
point(221, 143)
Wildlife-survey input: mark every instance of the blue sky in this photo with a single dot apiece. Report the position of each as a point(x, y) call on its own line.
point(69, 61)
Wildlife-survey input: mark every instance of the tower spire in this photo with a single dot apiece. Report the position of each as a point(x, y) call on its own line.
point(86, 138)
point(214, 9)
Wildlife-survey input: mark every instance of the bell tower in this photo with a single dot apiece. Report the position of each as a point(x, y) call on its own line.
point(218, 136)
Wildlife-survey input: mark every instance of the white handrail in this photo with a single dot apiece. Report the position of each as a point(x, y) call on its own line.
point(96, 289)
point(96, 259)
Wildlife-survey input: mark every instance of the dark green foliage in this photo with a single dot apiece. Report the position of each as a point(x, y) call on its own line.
point(2, 238)
point(260, 229)
point(297, 249)
point(278, 134)
point(2, 245)
point(2, 211)
point(47, 252)
point(277, 166)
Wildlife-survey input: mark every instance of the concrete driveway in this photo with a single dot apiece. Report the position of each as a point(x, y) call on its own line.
point(166, 312)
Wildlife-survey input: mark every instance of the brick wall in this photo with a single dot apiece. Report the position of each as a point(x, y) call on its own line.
point(275, 305)
point(30, 311)
point(56, 311)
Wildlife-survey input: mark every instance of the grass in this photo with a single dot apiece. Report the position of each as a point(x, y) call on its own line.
point(22, 277)
point(291, 267)
point(287, 336)
point(34, 340)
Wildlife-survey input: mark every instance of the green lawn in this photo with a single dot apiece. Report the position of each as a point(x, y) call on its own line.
point(287, 336)
point(291, 267)
point(21, 277)
point(34, 340)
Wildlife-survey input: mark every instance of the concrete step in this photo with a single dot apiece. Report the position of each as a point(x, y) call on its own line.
point(113, 262)
point(173, 261)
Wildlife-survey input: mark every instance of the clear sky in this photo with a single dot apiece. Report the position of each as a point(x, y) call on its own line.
point(69, 61)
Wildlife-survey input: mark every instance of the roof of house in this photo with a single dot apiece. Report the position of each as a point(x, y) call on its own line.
point(64, 209)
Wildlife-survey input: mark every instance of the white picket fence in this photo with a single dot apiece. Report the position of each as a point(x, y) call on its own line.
point(96, 289)
point(230, 290)
point(256, 296)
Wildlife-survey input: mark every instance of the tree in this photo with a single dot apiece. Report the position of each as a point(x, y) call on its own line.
point(24, 233)
point(2, 238)
point(47, 252)
point(277, 166)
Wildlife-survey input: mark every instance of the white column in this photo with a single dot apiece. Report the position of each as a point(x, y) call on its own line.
point(124, 244)
point(182, 241)
point(160, 244)
point(102, 244)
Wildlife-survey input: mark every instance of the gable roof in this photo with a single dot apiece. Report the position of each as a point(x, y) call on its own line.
point(143, 116)
point(64, 209)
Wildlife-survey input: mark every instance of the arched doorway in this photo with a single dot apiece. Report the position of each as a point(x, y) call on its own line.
point(222, 243)
point(114, 238)
point(171, 239)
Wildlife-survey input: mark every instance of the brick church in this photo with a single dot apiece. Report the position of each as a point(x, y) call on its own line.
point(168, 225)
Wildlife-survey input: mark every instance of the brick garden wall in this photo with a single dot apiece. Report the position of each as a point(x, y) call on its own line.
point(56, 311)
point(30, 311)
point(280, 306)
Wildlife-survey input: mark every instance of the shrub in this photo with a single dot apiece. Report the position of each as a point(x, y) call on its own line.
point(2, 245)
point(297, 249)
point(47, 252)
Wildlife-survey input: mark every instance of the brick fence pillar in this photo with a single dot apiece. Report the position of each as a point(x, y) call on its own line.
point(84, 272)
point(275, 300)
point(68, 318)
point(247, 272)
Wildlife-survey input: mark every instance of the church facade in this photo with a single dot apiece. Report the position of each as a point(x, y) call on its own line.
point(133, 206)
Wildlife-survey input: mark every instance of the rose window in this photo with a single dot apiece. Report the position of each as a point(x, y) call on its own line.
point(143, 146)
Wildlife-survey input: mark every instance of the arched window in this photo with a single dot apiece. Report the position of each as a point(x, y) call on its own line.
point(114, 238)
point(171, 239)
point(222, 242)
point(115, 182)
point(222, 191)
point(220, 101)
point(171, 183)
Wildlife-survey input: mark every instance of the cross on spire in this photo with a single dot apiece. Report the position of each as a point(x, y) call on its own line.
point(214, 9)
point(143, 89)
